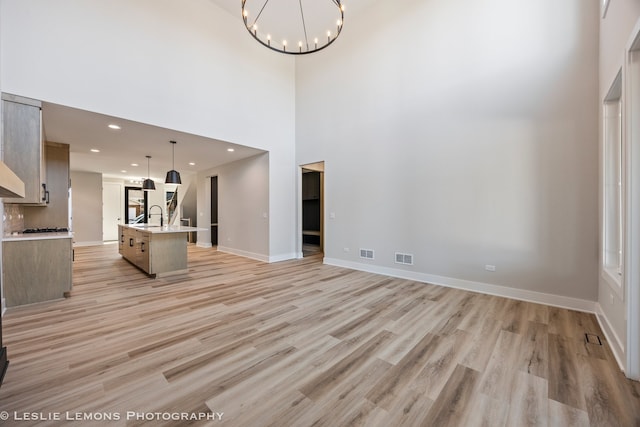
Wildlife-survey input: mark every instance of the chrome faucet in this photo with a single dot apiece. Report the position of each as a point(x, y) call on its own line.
point(161, 216)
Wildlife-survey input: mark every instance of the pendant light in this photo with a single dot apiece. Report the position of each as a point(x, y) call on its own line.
point(173, 176)
point(148, 183)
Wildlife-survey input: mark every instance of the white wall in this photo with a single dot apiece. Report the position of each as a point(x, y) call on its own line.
point(464, 133)
point(86, 207)
point(243, 206)
point(616, 32)
point(188, 66)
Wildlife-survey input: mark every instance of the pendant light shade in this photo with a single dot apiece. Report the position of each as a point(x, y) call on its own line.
point(148, 183)
point(173, 176)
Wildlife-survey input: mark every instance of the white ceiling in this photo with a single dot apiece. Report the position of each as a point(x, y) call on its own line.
point(84, 130)
point(351, 6)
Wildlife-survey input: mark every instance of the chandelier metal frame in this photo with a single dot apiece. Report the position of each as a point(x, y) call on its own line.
point(311, 46)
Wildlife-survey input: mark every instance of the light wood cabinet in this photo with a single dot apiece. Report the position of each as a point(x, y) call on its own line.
point(127, 244)
point(23, 146)
point(57, 212)
point(36, 270)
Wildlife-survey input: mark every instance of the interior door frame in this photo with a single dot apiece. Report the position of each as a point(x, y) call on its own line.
point(118, 199)
point(318, 166)
point(145, 206)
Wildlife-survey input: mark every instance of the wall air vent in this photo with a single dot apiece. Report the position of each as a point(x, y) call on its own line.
point(406, 259)
point(366, 253)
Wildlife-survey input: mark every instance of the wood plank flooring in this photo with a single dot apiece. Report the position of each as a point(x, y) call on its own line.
point(299, 343)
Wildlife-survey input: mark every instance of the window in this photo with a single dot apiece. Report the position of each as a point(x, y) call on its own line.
point(613, 188)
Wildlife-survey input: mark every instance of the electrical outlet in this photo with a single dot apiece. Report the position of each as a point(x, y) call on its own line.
point(345, 249)
point(490, 267)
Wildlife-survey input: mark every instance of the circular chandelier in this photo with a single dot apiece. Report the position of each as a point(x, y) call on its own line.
point(289, 26)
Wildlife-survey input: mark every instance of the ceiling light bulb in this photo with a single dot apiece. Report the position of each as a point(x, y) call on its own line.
point(95, 150)
point(192, 164)
point(298, 32)
point(134, 164)
point(231, 150)
point(114, 126)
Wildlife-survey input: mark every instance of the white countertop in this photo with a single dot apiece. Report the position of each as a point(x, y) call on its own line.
point(152, 228)
point(37, 236)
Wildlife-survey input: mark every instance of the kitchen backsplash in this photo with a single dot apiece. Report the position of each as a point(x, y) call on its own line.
point(13, 218)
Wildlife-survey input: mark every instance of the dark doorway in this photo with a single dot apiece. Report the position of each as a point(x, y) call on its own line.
point(214, 211)
point(312, 207)
point(135, 205)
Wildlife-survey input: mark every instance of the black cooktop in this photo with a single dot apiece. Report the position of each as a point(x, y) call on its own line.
point(45, 230)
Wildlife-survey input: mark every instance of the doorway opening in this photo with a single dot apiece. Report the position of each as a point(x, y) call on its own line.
point(214, 211)
point(136, 205)
point(312, 209)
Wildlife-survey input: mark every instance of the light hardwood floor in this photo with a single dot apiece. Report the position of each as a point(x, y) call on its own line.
point(299, 343)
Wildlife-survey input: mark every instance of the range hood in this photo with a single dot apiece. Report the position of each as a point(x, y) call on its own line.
point(10, 184)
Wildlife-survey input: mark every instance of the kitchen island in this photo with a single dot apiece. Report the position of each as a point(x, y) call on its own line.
point(156, 250)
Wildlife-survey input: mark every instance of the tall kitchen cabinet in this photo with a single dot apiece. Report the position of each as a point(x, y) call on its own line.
point(56, 214)
point(23, 146)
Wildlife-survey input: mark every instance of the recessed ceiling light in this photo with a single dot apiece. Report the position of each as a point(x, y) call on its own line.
point(114, 126)
point(134, 164)
point(231, 150)
point(95, 150)
point(123, 171)
point(192, 164)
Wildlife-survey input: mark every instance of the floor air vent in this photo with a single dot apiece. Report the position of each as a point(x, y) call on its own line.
point(366, 253)
point(592, 339)
point(406, 259)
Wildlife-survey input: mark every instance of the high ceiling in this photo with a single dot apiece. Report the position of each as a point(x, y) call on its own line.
point(119, 149)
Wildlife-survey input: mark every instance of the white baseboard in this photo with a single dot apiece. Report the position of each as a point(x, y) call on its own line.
point(246, 254)
point(96, 243)
point(3, 307)
point(205, 245)
point(283, 257)
point(258, 257)
point(467, 285)
point(617, 346)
